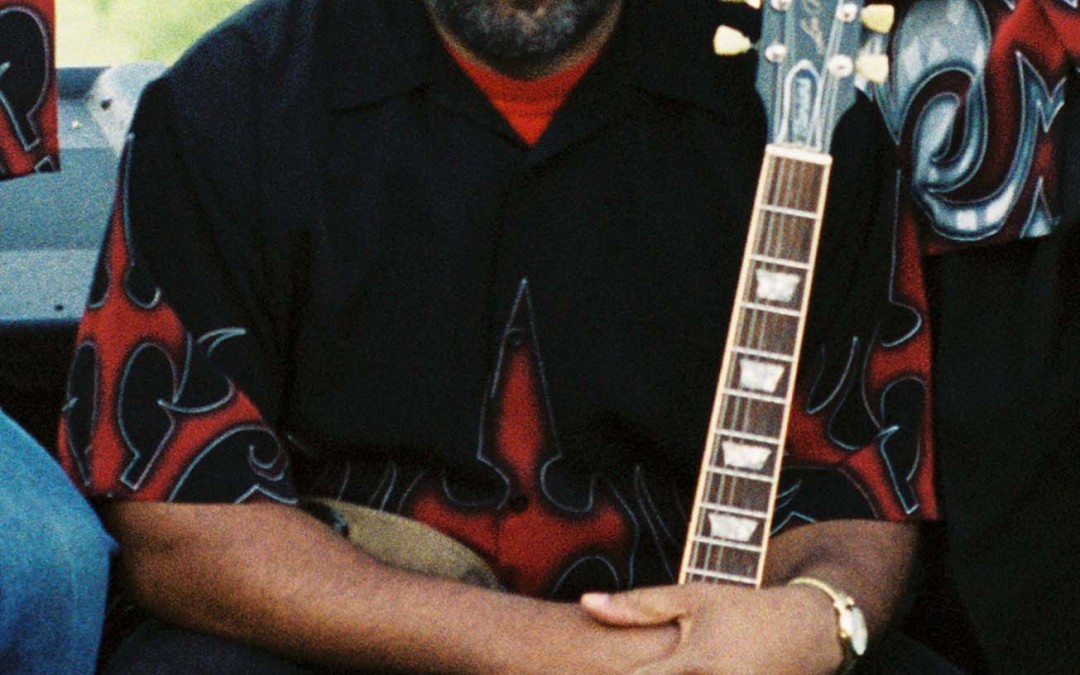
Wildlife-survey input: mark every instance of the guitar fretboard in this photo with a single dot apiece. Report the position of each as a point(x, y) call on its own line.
point(733, 506)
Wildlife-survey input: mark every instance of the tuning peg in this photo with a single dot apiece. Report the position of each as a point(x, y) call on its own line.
point(728, 42)
point(756, 4)
point(874, 67)
point(878, 18)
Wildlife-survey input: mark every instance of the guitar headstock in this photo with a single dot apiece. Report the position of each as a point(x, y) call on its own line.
point(813, 54)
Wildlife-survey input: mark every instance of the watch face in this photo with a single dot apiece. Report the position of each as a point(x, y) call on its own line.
point(853, 624)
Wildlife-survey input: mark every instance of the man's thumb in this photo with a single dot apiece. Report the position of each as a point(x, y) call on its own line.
point(642, 607)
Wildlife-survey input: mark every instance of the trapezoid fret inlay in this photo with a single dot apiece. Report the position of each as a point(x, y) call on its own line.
point(775, 286)
point(733, 506)
point(744, 456)
point(759, 375)
point(734, 528)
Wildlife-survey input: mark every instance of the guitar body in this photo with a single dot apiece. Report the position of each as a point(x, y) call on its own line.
point(408, 544)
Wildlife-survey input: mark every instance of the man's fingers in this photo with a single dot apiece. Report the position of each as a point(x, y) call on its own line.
point(673, 665)
point(643, 607)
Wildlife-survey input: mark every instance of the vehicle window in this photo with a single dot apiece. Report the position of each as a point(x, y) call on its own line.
point(111, 32)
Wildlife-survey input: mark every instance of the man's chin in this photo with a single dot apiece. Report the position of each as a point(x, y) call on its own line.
point(531, 7)
point(520, 36)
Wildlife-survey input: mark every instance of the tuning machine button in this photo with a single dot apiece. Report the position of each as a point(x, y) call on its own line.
point(729, 42)
point(756, 4)
point(874, 67)
point(878, 18)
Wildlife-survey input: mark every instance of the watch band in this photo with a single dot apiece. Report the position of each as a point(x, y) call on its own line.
point(850, 623)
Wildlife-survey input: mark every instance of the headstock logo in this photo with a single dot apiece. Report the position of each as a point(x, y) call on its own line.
point(803, 84)
point(811, 24)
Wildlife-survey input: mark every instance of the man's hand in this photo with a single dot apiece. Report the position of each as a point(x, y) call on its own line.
point(778, 629)
point(729, 629)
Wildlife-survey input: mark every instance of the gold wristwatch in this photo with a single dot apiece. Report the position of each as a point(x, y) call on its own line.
point(850, 622)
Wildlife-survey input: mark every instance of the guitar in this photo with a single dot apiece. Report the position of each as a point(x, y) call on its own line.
point(812, 57)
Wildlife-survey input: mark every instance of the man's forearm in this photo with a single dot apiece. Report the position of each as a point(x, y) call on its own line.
point(869, 560)
point(272, 576)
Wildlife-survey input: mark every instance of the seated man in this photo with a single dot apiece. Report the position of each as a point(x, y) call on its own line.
point(472, 262)
point(54, 563)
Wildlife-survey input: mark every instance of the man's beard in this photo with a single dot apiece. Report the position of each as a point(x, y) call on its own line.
point(511, 35)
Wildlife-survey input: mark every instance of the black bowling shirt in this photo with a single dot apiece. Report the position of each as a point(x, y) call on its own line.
point(334, 269)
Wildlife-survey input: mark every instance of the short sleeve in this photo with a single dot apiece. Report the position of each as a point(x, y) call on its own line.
point(172, 390)
point(859, 440)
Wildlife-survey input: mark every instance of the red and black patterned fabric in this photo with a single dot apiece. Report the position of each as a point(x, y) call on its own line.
point(28, 133)
point(142, 386)
point(982, 104)
point(330, 248)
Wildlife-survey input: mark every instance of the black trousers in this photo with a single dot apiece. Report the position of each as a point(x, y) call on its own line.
point(156, 648)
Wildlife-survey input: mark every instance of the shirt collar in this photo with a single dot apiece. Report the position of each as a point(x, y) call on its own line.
point(379, 50)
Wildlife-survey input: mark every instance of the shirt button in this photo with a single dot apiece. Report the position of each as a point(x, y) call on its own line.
point(514, 337)
point(517, 503)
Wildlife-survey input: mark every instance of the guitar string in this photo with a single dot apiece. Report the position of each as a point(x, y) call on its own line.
point(788, 190)
point(786, 241)
point(759, 329)
point(725, 487)
point(748, 328)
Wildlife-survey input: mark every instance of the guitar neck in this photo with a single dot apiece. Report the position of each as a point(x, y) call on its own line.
point(733, 506)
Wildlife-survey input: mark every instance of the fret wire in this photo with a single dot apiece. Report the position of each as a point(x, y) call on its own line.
point(728, 483)
point(736, 473)
point(742, 393)
point(739, 405)
point(809, 175)
point(771, 250)
point(755, 327)
point(725, 434)
point(754, 331)
point(782, 241)
point(744, 495)
point(742, 435)
point(802, 254)
point(725, 543)
point(771, 309)
point(768, 247)
point(760, 353)
point(734, 510)
point(783, 210)
point(774, 239)
point(797, 180)
point(722, 559)
point(783, 262)
point(717, 449)
point(769, 265)
point(775, 167)
point(793, 237)
point(773, 223)
point(721, 576)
